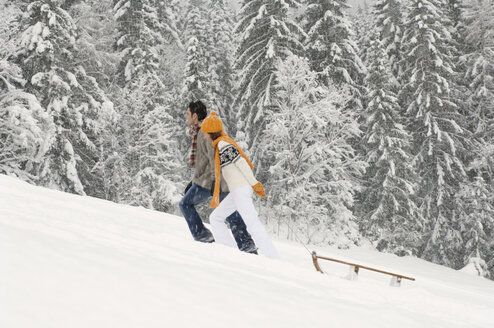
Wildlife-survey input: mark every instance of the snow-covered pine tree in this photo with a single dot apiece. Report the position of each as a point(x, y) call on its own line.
point(167, 14)
point(389, 21)
point(26, 129)
point(138, 33)
point(467, 43)
point(454, 9)
point(221, 74)
point(96, 26)
point(146, 159)
point(389, 215)
point(454, 22)
point(172, 52)
point(266, 34)
point(9, 26)
point(154, 151)
point(330, 45)
point(363, 24)
point(479, 61)
point(313, 177)
point(96, 32)
point(47, 52)
point(477, 223)
point(195, 84)
point(440, 139)
point(482, 205)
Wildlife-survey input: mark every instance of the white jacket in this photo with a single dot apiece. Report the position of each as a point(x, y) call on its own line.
point(234, 168)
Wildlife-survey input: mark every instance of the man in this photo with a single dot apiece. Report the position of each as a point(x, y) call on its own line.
point(201, 188)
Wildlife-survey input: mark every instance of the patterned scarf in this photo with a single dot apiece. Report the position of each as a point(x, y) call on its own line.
point(217, 169)
point(193, 131)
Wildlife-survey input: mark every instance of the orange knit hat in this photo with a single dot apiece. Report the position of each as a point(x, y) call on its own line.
point(212, 124)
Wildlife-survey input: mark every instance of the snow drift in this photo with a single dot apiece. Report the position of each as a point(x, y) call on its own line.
point(72, 261)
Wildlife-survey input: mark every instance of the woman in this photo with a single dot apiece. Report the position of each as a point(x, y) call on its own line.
point(233, 164)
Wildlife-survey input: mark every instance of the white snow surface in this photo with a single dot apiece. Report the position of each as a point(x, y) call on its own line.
point(74, 261)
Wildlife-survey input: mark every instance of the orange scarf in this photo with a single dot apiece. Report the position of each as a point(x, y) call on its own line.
point(217, 174)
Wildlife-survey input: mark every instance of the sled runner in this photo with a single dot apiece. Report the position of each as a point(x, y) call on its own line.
point(354, 270)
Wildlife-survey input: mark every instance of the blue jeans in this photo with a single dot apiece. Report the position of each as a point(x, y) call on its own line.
point(196, 195)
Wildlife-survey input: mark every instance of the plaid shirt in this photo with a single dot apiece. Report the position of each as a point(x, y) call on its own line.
point(193, 131)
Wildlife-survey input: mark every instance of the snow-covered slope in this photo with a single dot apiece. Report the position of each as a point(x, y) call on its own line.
point(71, 261)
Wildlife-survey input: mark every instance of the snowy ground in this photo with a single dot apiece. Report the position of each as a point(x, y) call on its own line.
point(71, 261)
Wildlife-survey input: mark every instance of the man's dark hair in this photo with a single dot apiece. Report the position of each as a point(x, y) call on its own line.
point(197, 107)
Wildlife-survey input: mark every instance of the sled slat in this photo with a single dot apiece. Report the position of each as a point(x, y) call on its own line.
point(315, 257)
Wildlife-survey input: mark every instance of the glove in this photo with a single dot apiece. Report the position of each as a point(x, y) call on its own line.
point(259, 189)
point(188, 187)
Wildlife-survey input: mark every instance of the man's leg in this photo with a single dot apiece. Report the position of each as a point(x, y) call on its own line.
point(195, 195)
point(239, 230)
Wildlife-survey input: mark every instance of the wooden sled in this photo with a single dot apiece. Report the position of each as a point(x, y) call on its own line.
point(354, 270)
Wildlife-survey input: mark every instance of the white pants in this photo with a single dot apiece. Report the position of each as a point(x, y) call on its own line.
point(240, 200)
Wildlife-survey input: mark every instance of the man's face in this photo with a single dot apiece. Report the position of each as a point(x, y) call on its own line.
point(190, 119)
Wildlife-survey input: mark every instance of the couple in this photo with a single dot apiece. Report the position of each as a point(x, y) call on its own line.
point(217, 159)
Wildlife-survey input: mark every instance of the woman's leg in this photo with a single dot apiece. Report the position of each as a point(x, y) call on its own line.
point(239, 230)
point(242, 199)
point(217, 219)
